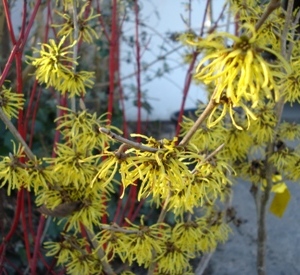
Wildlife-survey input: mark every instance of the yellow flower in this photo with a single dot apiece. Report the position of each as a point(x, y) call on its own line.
point(75, 83)
point(262, 129)
point(81, 128)
point(240, 74)
point(50, 66)
point(72, 253)
point(173, 260)
point(253, 171)
point(39, 176)
point(245, 8)
point(237, 144)
point(292, 168)
point(146, 241)
point(161, 172)
point(114, 243)
point(71, 166)
point(92, 209)
point(187, 236)
point(86, 32)
point(282, 157)
point(11, 102)
point(289, 131)
point(63, 250)
point(227, 105)
point(107, 168)
point(84, 264)
point(205, 138)
point(290, 84)
point(12, 172)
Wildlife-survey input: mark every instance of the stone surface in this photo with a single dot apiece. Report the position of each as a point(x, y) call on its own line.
point(238, 255)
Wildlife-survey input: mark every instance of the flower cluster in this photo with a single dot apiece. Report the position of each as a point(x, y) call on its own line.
point(10, 102)
point(240, 74)
point(54, 68)
point(70, 193)
point(86, 32)
point(72, 252)
point(16, 174)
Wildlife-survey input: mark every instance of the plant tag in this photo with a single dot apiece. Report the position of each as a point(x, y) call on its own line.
point(281, 199)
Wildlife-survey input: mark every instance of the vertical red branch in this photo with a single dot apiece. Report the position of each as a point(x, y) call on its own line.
point(187, 85)
point(189, 75)
point(131, 201)
point(138, 64)
point(113, 61)
point(17, 54)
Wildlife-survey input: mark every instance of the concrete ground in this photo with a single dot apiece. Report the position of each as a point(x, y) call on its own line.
point(238, 255)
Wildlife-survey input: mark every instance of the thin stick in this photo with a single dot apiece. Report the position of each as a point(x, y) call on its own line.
point(131, 143)
point(286, 28)
point(273, 5)
point(16, 134)
point(262, 197)
point(161, 218)
point(211, 105)
point(203, 263)
point(216, 151)
point(100, 252)
point(75, 48)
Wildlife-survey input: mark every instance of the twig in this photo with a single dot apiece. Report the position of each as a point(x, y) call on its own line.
point(211, 105)
point(286, 28)
point(294, 24)
point(262, 212)
point(216, 151)
point(203, 263)
point(16, 134)
point(116, 228)
point(100, 252)
point(131, 143)
point(75, 48)
point(262, 198)
point(273, 5)
point(160, 219)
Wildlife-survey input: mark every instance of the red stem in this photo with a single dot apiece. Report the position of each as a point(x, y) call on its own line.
point(14, 224)
point(8, 20)
point(119, 207)
point(189, 74)
point(85, 235)
point(138, 64)
point(188, 80)
point(30, 224)
point(113, 62)
point(30, 106)
point(137, 210)
point(102, 23)
point(36, 250)
point(129, 201)
point(25, 232)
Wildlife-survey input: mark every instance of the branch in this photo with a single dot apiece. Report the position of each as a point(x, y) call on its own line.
point(161, 218)
point(273, 5)
point(211, 105)
point(100, 252)
point(75, 48)
point(131, 143)
point(16, 134)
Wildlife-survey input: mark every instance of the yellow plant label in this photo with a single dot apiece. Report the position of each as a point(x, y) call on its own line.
point(281, 200)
